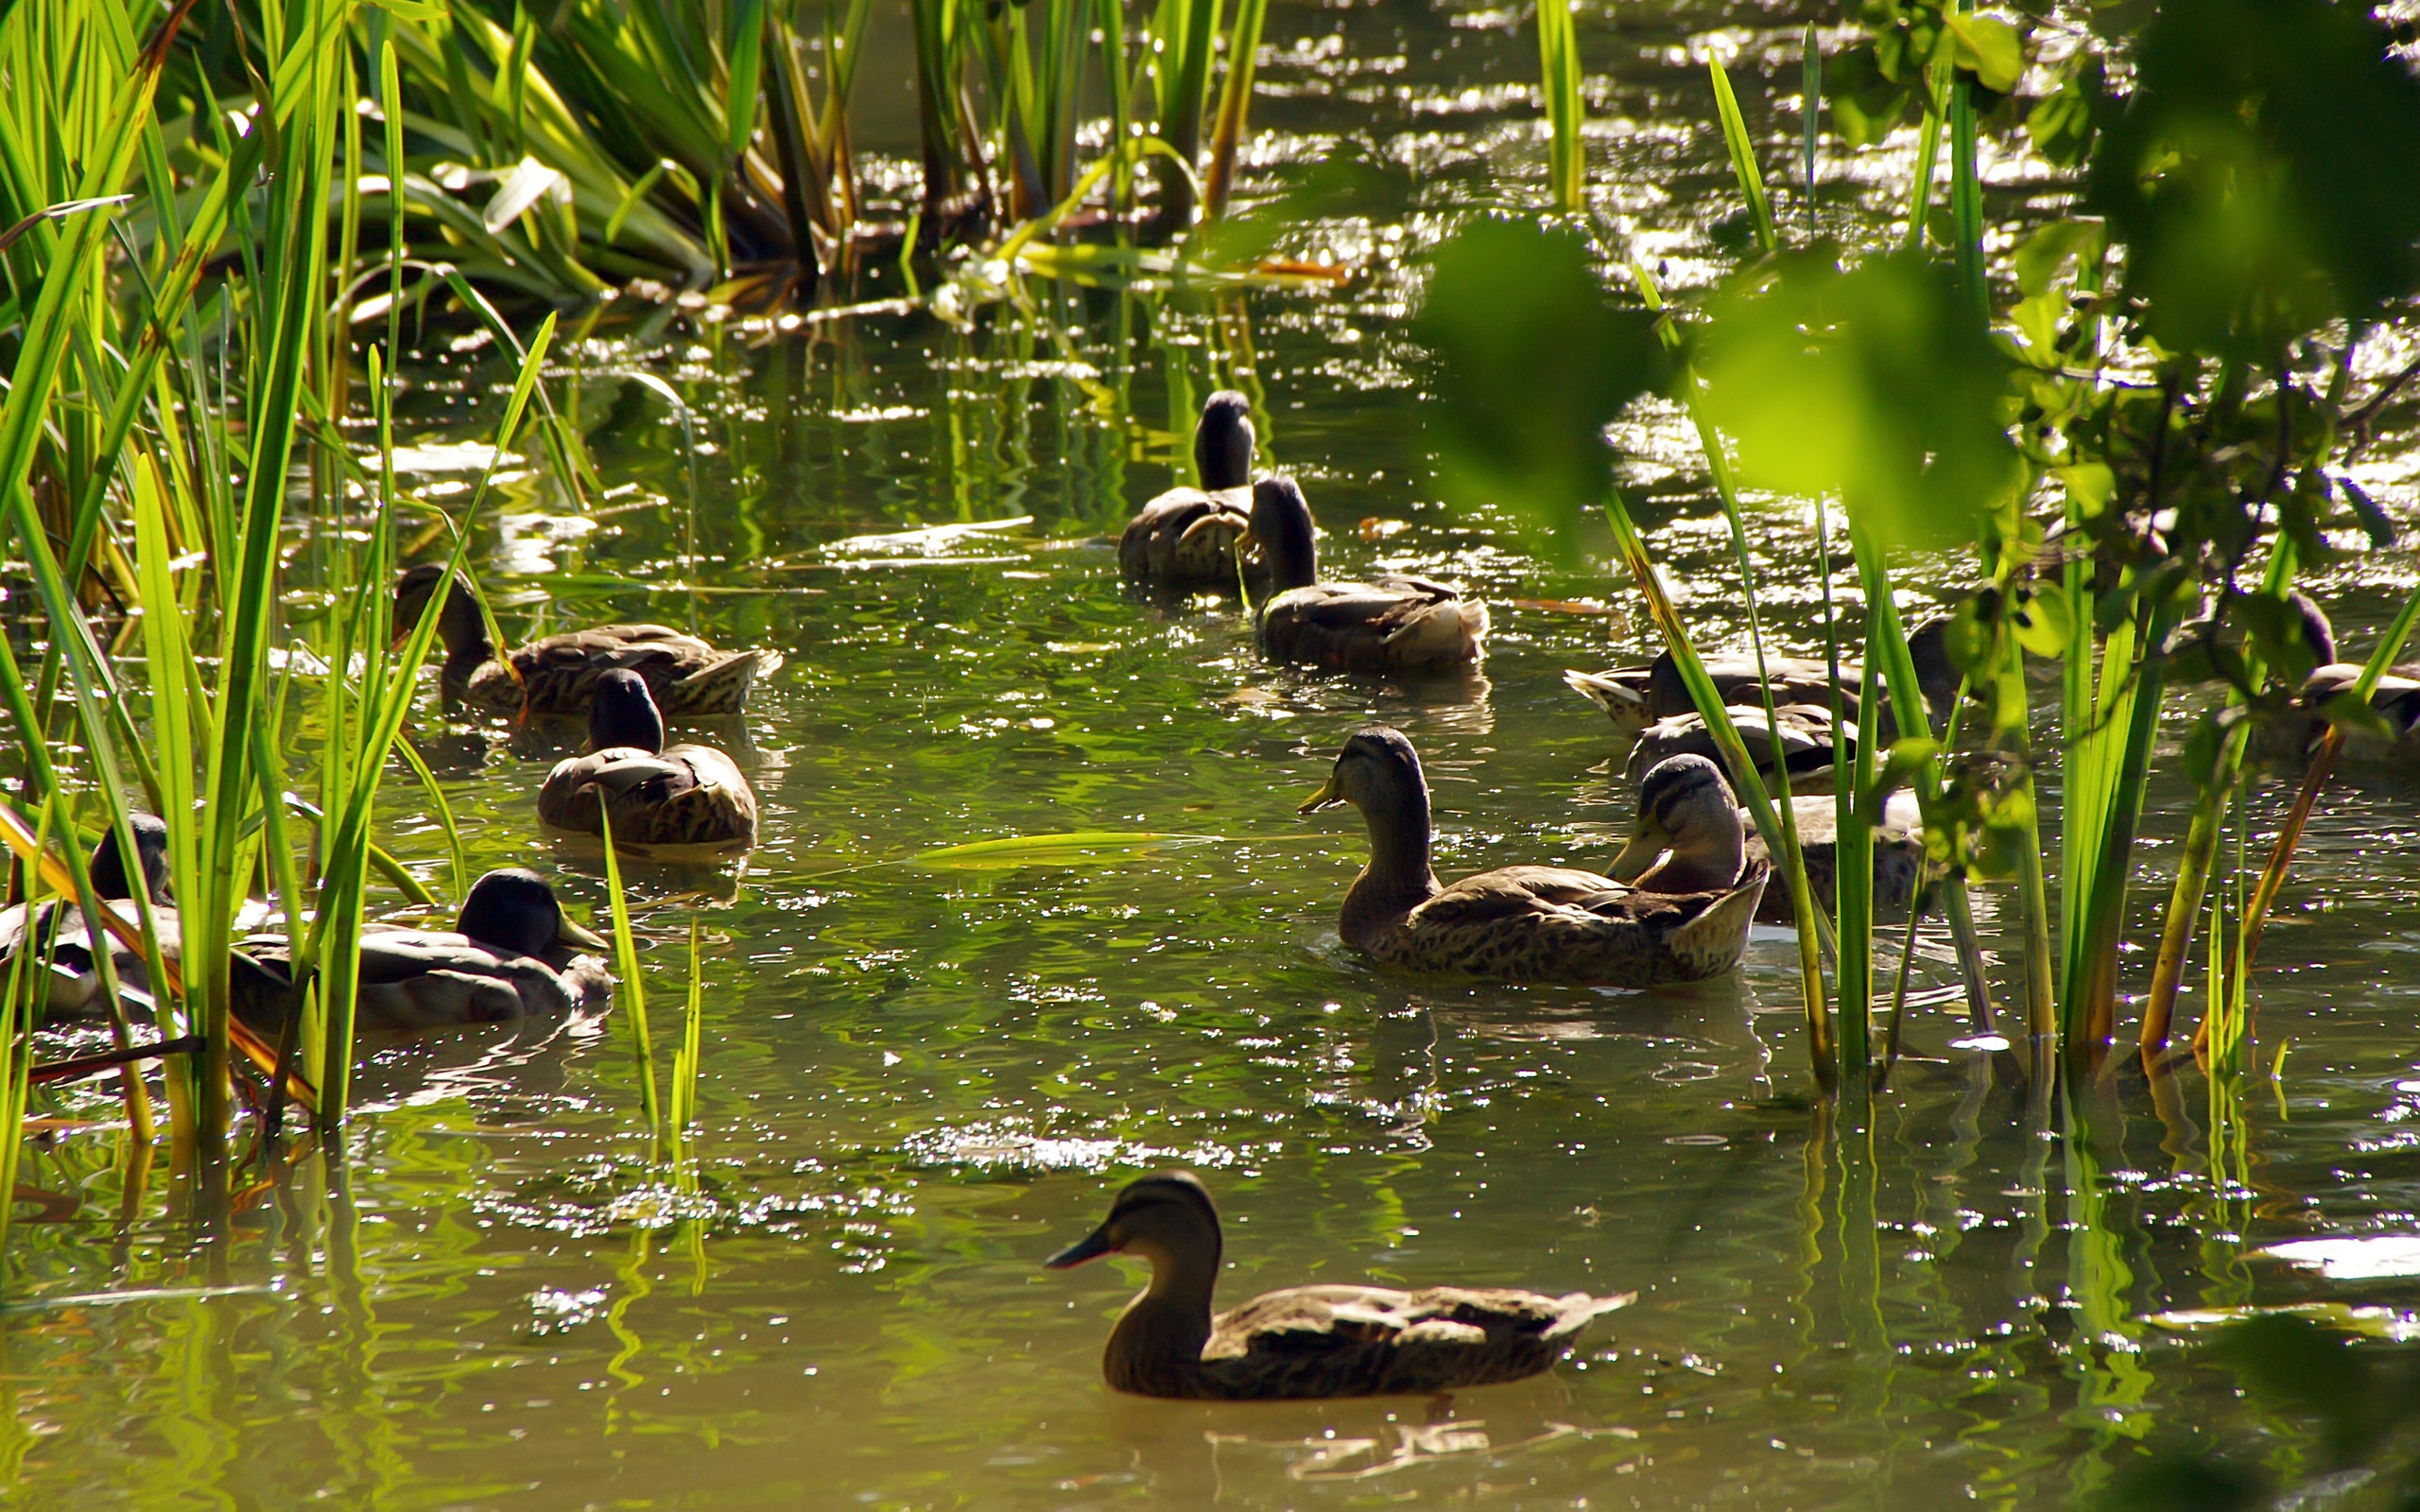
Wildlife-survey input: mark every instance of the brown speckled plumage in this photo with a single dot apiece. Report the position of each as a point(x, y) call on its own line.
point(1635, 697)
point(656, 795)
point(1899, 859)
point(1305, 1340)
point(1188, 538)
point(1391, 624)
point(558, 674)
point(1526, 923)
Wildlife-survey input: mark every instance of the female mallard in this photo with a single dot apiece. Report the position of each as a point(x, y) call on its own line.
point(1801, 734)
point(1187, 540)
point(72, 988)
point(1899, 865)
point(511, 954)
point(1682, 920)
point(1305, 1340)
point(1635, 697)
point(557, 674)
point(656, 794)
point(1390, 624)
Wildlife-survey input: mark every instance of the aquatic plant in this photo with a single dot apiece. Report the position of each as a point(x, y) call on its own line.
point(2180, 411)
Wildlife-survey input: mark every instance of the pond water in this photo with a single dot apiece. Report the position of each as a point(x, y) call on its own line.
point(920, 1077)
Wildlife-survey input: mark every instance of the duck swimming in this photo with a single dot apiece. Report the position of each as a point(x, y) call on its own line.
point(72, 988)
point(1683, 919)
point(1187, 540)
point(512, 953)
point(1305, 1340)
point(1636, 698)
point(1391, 624)
point(557, 675)
point(655, 794)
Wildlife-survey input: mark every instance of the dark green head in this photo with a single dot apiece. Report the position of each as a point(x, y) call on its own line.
point(1161, 1215)
point(513, 911)
point(150, 847)
point(460, 625)
point(1223, 441)
point(1281, 523)
point(624, 714)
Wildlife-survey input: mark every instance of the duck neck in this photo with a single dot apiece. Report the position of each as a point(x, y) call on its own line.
point(1155, 1350)
point(1288, 537)
point(464, 630)
point(1399, 877)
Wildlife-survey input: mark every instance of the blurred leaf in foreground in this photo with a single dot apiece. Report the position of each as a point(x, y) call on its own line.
point(1532, 361)
point(2266, 173)
point(1877, 384)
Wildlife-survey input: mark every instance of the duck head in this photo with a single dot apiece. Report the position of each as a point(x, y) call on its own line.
point(1378, 772)
point(109, 875)
point(513, 910)
point(1688, 818)
point(1165, 1218)
point(1223, 441)
point(1281, 525)
point(460, 625)
point(624, 714)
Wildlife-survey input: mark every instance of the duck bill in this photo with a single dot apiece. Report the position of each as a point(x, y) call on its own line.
point(569, 933)
point(1326, 797)
point(1092, 1247)
point(1637, 856)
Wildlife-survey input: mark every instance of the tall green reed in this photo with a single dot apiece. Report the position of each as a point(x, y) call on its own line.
point(1558, 60)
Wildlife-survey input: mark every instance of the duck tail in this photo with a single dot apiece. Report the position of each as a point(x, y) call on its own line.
point(1577, 1310)
point(723, 688)
point(1613, 692)
point(1713, 942)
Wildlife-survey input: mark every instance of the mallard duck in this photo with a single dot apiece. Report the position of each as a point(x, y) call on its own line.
point(512, 953)
point(1635, 697)
point(1801, 732)
point(1393, 624)
point(1305, 1340)
point(1188, 538)
point(1685, 920)
point(657, 795)
point(72, 988)
point(1898, 857)
point(2291, 737)
point(558, 674)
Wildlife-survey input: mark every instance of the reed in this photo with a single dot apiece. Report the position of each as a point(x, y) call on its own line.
point(1558, 60)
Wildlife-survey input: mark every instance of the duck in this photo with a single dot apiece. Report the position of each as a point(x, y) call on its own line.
point(557, 675)
point(512, 953)
point(1801, 734)
point(1635, 697)
point(1391, 624)
point(1189, 538)
point(656, 795)
point(1681, 919)
point(1304, 1341)
point(1899, 865)
point(72, 987)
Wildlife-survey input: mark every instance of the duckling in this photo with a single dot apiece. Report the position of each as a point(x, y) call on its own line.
point(512, 953)
point(1684, 919)
point(1635, 697)
point(558, 674)
point(656, 795)
point(1187, 540)
point(1305, 1340)
point(1393, 624)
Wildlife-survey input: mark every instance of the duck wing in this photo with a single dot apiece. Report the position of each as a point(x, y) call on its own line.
point(1186, 539)
point(559, 673)
point(1558, 924)
point(1343, 1341)
point(1390, 624)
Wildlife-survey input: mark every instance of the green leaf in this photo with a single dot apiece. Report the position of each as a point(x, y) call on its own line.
point(1876, 385)
point(2262, 175)
point(1988, 48)
point(1534, 361)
